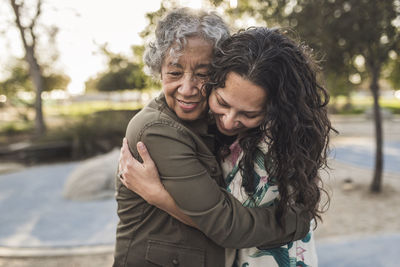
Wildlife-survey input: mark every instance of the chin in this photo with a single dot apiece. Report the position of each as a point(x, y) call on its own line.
point(230, 133)
point(225, 132)
point(189, 116)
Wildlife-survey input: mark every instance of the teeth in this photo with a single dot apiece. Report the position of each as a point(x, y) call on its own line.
point(187, 103)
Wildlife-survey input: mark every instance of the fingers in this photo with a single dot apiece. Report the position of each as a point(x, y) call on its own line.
point(125, 147)
point(123, 181)
point(126, 162)
point(144, 153)
point(126, 156)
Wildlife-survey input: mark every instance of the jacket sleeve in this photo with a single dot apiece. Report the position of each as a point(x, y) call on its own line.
point(215, 211)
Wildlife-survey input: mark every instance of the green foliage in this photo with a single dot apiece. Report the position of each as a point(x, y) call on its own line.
point(122, 73)
point(394, 108)
point(93, 134)
point(86, 135)
point(337, 31)
point(19, 80)
point(153, 18)
point(392, 71)
point(56, 81)
point(359, 104)
point(78, 109)
point(15, 127)
point(338, 84)
point(127, 77)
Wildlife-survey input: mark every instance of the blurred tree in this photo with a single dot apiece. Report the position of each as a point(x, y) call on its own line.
point(56, 81)
point(153, 18)
point(121, 74)
point(19, 80)
point(356, 37)
point(367, 31)
point(138, 52)
point(29, 39)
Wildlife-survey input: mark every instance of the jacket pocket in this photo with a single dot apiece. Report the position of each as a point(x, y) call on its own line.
point(171, 255)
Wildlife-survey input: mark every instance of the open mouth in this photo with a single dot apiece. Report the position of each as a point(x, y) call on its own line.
point(187, 105)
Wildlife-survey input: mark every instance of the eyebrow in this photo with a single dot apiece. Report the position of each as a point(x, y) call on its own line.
point(199, 66)
point(243, 111)
point(172, 64)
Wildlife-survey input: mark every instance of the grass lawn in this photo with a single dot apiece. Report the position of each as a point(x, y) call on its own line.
point(77, 109)
point(361, 103)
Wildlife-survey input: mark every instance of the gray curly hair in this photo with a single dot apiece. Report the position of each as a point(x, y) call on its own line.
point(175, 27)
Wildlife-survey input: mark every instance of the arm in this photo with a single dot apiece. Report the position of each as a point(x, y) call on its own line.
point(144, 180)
point(216, 212)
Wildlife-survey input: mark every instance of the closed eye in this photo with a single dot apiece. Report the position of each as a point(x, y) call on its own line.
point(222, 104)
point(202, 75)
point(175, 73)
point(251, 116)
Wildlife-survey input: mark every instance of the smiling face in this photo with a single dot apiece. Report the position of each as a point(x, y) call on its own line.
point(238, 106)
point(182, 78)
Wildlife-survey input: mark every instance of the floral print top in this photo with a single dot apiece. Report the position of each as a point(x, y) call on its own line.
point(297, 253)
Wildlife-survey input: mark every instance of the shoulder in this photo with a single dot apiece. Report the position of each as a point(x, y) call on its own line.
point(155, 114)
point(154, 124)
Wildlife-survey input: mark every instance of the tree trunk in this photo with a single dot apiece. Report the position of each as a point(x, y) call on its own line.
point(37, 78)
point(34, 67)
point(377, 179)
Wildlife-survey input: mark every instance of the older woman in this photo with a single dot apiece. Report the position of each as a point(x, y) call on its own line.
point(174, 128)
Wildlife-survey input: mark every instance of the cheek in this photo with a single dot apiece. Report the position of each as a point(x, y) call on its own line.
point(252, 123)
point(168, 88)
point(212, 103)
point(164, 86)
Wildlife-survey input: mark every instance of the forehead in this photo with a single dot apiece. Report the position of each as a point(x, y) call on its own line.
point(196, 51)
point(242, 94)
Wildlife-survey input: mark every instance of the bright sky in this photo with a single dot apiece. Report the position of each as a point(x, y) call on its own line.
point(84, 25)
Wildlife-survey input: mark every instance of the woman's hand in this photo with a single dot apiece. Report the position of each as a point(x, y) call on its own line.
point(141, 178)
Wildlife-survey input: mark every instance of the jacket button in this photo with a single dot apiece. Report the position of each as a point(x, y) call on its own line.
point(214, 169)
point(175, 262)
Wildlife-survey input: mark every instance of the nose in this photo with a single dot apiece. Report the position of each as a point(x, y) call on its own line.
point(229, 120)
point(189, 87)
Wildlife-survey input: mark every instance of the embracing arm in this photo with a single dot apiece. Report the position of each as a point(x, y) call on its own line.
point(216, 212)
point(143, 179)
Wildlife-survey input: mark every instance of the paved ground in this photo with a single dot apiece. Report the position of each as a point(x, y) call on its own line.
point(360, 152)
point(34, 213)
point(36, 219)
point(377, 251)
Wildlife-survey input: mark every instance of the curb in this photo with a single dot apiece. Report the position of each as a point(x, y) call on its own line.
point(14, 252)
point(7, 167)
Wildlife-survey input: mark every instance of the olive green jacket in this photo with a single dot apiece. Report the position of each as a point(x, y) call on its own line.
point(183, 153)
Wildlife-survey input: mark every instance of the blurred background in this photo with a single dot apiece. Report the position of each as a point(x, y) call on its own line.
point(71, 77)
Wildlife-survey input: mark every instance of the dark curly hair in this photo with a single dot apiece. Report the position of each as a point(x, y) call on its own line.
point(295, 126)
